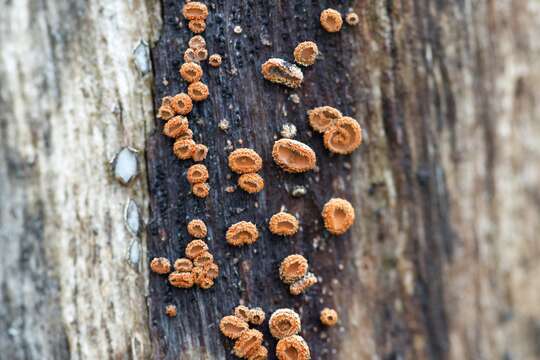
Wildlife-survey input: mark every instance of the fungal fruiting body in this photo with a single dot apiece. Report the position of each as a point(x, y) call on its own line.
point(344, 137)
point(338, 215)
point(195, 10)
point(188, 134)
point(191, 72)
point(175, 126)
point(198, 91)
point(292, 348)
point(195, 248)
point(183, 280)
point(260, 354)
point(302, 285)
point(331, 20)
point(242, 312)
point(197, 26)
point(170, 310)
point(199, 152)
point(251, 183)
point(242, 233)
point(181, 103)
point(256, 316)
point(205, 258)
point(232, 326)
point(329, 317)
point(284, 323)
point(201, 54)
point(160, 265)
point(293, 156)
point(293, 268)
point(214, 60)
point(183, 265)
point(190, 56)
point(352, 19)
point(323, 118)
point(197, 228)
point(248, 343)
point(183, 148)
point(197, 42)
point(283, 224)
point(166, 111)
point(200, 190)
point(306, 53)
point(197, 173)
point(244, 161)
point(282, 72)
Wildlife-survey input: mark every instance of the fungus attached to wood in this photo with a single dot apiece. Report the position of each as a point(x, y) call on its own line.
point(260, 354)
point(244, 161)
point(214, 60)
point(176, 126)
point(198, 91)
point(200, 190)
point(197, 26)
point(182, 103)
point(329, 317)
point(293, 348)
point(331, 20)
point(323, 118)
point(344, 137)
point(183, 265)
point(200, 152)
point(242, 233)
point(160, 265)
point(166, 111)
point(197, 42)
point(195, 248)
point(338, 215)
point(248, 343)
point(284, 323)
point(197, 173)
point(195, 10)
point(306, 53)
point(183, 280)
point(232, 327)
point(170, 310)
point(197, 228)
point(242, 312)
point(183, 148)
point(203, 259)
point(256, 316)
point(352, 19)
point(191, 72)
point(293, 156)
point(282, 72)
point(293, 268)
point(190, 56)
point(251, 183)
point(202, 54)
point(283, 224)
point(302, 285)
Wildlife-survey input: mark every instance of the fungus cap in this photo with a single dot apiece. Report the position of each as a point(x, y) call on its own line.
point(195, 10)
point(338, 215)
point(160, 265)
point(197, 173)
point(256, 316)
point(197, 228)
point(284, 323)
point(293, 156)
point(293, 348)
point(243, 161)
point(183, 280)
point(248, 343)
point(191, 72)
point(242, 233)
point(331, 20)
point(197, 26)
point(302, 285)
point(195, 248)
point(329, 317)
point(251, 183)
point(282, 72)
point(293, 268)
point(323, 118)
point(232, 326)
point(199, 152)
point(214, 60)
point(183, 148)
point(344, 137)
point(176, 126)
point(183, 265)
point(306, 53)
point(198, 91)
point(283, 224)
point(200, 190)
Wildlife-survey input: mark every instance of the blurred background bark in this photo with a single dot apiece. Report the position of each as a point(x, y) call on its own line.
point(442, 260)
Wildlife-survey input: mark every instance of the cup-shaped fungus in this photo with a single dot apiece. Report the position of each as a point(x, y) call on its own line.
point(352, 18)
point(293, 156)
point(211, 270)
point(214, 60)
point(244, 161)
point(197, 228)
point(242, 233)
point(166, 111)
point(188, 134)
point(292, 348)
point(195, 10)
point(302, 285)
point(205, 258)
point(170, 310)
point(198, 91)
point(283, 224)
point(205, 282)
point(331, 20)
point(183, 280)
point(195, 248)
point(176, 126)
point(181, 103)
point(256, 316)
point(344, 137)
point(232, 327)
point(293, 268)
point(200, 152)
point(202, 54)
point(338, 215)
point(284, 323)
point(197, 42)
point(251, 183)
point(200, 190)
point(329, 317)
point(323, 118)
point(183, 148)
point(197, 26)
point(183, 265)
point(191, 72)
point(306, 53)
point(197, 173)
point(242, 312)
point(282, 72)
point(160, 265)
point(248, 343)
point(190, 56)
point(260, 354)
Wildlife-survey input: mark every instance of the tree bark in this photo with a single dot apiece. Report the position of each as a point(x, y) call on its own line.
point(440, 263)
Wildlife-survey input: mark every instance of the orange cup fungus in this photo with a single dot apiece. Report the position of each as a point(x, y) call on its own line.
point(282, 72)
point(293, 156)
point(283, 224)
point(242, 233)
point(306, 53)
point(331, 20)
point(244, 161)
point(338, 215)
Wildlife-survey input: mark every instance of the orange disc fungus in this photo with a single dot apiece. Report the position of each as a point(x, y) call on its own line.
point(181, 279)
point(195, 10)
point(293, 156)
point(197, 42)
point(256, 316)
point(170, 310)
point(200, 152)
point(198, 91)
point(338, 215)
point(191, 72)
point(248, 343)
point(242, 312)
point(300, 286)
point(252, 182)
point(188, 134)
point(166, 111)
point(293, 268)
point(195, 248)
point(232, 326)
point(284, 323)
point(175, 126)
point(183, 265)
point(160, 265)
point(329, 317)
point(202, 54)
point(243, 161)
point(190, 56)
point(200, 190)
point(292, 348)
point(352, 18)
point(323, 118)
point(344, 137)
point(283, 224)
point(242, 233)
point(306, 53)
point(197, 26)
point(183, 148)
point(197, 228)
point(181, 103)
point(282, 72)
point(214, 60)
point(331, 20)
point(260, 354)
point(205, 258)
point(197, 173)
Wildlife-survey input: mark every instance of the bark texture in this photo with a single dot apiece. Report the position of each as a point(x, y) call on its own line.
point(441, 262)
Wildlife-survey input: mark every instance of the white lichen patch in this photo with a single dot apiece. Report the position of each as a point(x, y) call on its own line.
point(125, 165)
point(132, 217)
point(134, 254)
point(141, 57)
